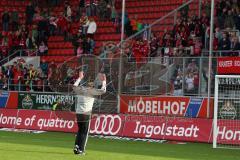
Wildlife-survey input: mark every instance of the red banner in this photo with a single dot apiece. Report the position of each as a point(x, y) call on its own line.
point(8, 100)
point(228, 65)
point(37, 120)
point(175, 106)
point(183, 129)
point(135, 126)
point(228, 132)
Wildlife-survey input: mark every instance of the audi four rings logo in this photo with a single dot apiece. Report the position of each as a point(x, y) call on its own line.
point(106, 124)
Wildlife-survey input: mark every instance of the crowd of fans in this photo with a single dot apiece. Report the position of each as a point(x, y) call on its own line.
point(190, 34)
point(24, 77)
point(77, 24)
point(186, 83)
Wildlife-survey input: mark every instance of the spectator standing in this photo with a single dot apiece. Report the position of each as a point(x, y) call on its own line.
point(235, 46)
point(184, 11)
point(83, 24)
point(108, 12)
point(94, 7)
point(32, 76)
point(35, 34)
point(9, 75)
point(4, 46)
point(154, 45)
point(29, 14)
point(39, 79)
point(3, 79)
point(113, 14)
point(62, 24)
point(16, 40)
point(55, 2)
point(79, 50)
point(189, 80)
point(52, 23)
point(42, 49)
point(15, 20)
point(102, 11)
point(88, 46)
point(29, 42)
point(229, 20)
point(42, 29)
point(207, 7)
point(192, 67)
point(69, 12)
point(44, 67)
point(5, 20)
point(88, 7)
point(218, 34)
point(127, 24)
point(17, 78)
point(237, 19)
point(81, 8)
point(177, 84)
point(197, 47)
point(225, 43)
point(92, 28)
point(134, 24)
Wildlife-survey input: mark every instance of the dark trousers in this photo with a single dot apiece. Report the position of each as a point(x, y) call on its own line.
point(82, 134)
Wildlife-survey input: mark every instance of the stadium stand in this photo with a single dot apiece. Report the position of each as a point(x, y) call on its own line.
point(56, 30)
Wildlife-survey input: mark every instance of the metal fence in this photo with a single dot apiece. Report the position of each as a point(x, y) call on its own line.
point(177, 76)
point(156, 76)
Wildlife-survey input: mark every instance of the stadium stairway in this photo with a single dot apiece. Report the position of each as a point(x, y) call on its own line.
point(58, 50)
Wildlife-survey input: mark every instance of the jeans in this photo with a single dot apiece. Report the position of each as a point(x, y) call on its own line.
point(88, 11)
point(5, 26)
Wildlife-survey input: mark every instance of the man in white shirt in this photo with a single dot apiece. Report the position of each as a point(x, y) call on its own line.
point(85, 99)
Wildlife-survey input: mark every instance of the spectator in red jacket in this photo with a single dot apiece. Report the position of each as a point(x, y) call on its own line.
point(62, 23)
point(197, 46)
point(136, 51)
point(5, 45)
point(17, 77)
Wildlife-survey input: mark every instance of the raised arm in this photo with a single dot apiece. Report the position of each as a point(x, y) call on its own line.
point(79, 79)
point(102, 90)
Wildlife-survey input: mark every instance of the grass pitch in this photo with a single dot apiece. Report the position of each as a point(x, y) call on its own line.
point(58, 146)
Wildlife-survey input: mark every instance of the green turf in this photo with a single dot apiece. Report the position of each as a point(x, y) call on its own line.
point(58, 146)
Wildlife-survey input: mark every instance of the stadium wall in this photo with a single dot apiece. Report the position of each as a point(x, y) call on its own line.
point(134, 126)
point(33, 111)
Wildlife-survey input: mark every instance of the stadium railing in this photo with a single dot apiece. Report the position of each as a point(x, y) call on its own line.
point(18, 53)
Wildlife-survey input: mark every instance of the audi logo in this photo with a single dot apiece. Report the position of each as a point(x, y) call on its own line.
point(106, 124)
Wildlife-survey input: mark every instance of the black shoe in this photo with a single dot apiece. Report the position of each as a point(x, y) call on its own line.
point(76, 150)
point(81, 153)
